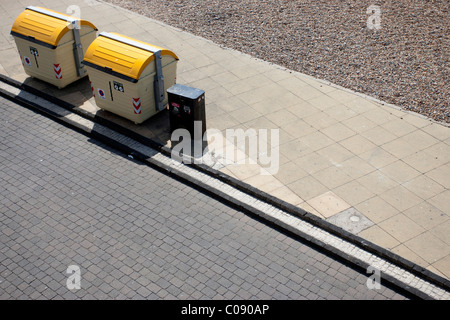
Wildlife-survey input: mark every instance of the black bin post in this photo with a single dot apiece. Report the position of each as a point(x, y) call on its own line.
point(187, 105)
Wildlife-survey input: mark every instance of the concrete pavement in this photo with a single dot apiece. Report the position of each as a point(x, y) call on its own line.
point(368, 167)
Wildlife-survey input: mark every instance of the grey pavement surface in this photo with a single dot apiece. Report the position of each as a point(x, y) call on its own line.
point(339, 151)
point(136, 233)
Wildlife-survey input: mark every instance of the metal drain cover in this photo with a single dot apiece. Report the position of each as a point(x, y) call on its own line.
point(351, 220)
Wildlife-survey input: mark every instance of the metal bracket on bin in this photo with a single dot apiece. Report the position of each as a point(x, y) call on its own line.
point(159, 78)
point(77, 48)
point(159, 82)
point(75, 26)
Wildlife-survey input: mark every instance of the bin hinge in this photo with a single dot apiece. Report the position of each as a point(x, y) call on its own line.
point(77, 47)
point(159, 82)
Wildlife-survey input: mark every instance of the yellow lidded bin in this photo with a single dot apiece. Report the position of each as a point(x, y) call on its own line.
point(129, 77)
point(52, 45)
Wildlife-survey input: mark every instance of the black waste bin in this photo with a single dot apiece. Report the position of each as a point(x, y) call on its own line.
point(186, 105)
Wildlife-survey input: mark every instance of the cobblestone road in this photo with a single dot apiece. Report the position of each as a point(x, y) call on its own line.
point(135, 233)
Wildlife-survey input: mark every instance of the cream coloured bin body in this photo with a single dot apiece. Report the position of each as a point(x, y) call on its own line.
point(124, 103)
point(43, 66)
point(124, 72)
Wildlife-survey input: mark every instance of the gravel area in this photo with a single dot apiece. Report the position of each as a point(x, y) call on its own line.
point(405, 62)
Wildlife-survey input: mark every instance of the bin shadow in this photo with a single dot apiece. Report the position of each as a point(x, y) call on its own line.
point(116, 151)
point(32, 88)
point(64, 95)
point(79, 97)
point(186, 148)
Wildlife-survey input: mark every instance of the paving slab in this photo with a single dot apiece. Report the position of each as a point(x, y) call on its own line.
point(351, 220)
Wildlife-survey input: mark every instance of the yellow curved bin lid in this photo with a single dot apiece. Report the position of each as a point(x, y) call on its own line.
point(121, 54)
point(44, 25)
